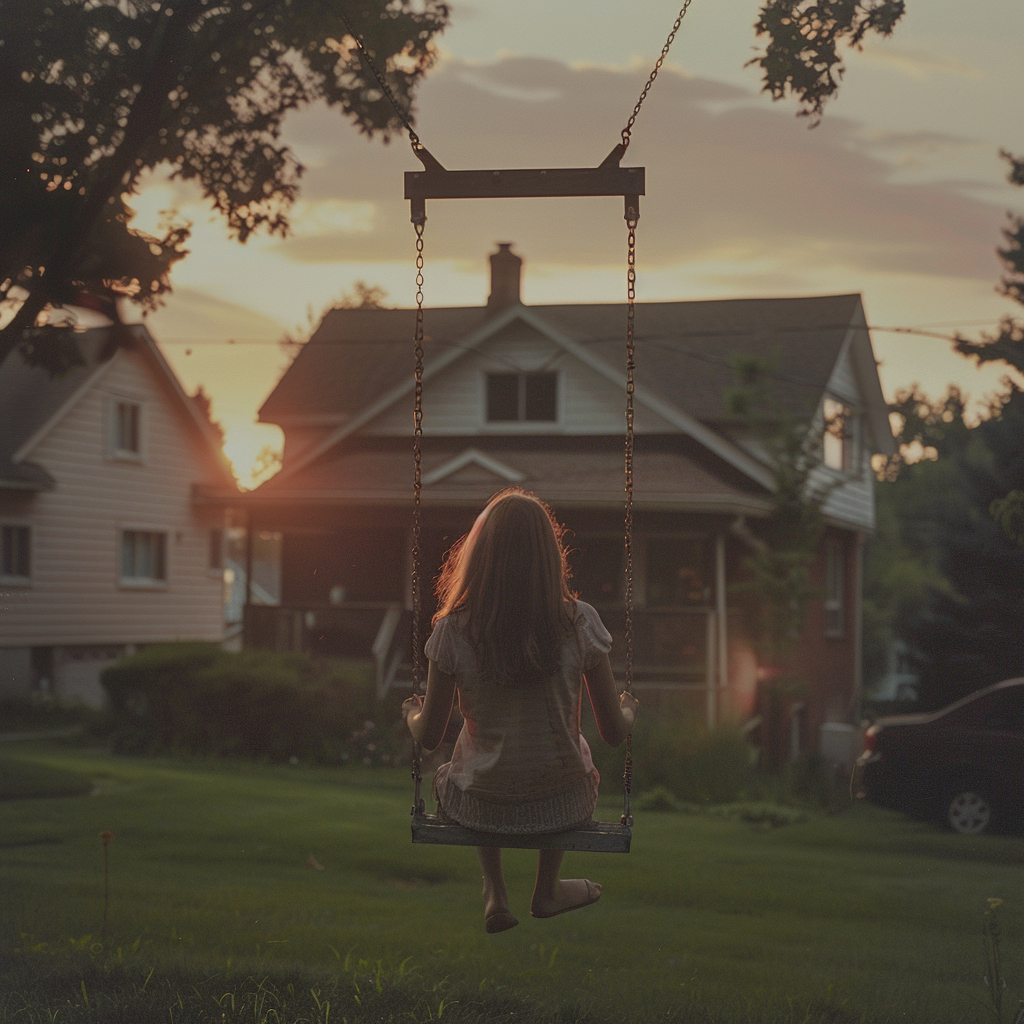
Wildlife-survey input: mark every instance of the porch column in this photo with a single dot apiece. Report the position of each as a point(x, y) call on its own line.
point(858, 628)
point(248, 558)
point(722, 609)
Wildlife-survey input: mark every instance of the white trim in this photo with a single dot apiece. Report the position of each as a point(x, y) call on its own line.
point(473, 456)
point(711, 440)
point(10, 579)
point(30, 443)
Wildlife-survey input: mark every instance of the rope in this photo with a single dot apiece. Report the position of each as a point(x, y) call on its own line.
point(654, 73)
point(632, 216)
point(417, 486)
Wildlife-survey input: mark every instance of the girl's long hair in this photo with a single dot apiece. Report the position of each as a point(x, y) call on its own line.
point(509, 576)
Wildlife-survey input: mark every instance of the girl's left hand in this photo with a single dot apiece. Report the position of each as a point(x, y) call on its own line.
point(411, 705)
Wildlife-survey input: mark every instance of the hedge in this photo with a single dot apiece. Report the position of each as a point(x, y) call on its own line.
point(200, 699)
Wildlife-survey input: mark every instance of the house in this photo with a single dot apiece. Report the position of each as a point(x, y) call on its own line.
point(104, 546)
point(534, 395)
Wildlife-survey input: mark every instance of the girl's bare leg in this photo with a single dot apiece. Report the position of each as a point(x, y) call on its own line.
point(553, 895)
point(497, 916)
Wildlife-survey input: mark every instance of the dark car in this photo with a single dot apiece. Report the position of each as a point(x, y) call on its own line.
point(963, 765)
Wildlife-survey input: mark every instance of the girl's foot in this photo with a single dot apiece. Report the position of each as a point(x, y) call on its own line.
point(569, 894)
point(499, 921)
point(497, 916)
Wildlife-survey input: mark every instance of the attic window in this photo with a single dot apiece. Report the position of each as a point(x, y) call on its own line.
point(124, 438)
point(840, 439)
point(522, 397)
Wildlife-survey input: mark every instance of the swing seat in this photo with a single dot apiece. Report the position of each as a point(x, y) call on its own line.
point(593, 837)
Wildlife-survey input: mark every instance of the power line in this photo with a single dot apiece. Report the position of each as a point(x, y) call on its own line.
point(729, 332)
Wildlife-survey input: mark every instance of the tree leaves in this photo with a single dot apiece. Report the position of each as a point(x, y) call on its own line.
point(94, 93)
point(803, 54)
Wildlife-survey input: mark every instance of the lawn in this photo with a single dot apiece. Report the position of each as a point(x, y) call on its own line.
point(223, 875)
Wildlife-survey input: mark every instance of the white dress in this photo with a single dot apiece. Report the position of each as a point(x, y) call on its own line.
point(520, 764)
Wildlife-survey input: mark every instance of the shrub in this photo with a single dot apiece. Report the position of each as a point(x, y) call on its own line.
point(40, 712)
point(687, 761)
point(254, 704)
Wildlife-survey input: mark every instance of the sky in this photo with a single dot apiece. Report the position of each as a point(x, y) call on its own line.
point(899, 194)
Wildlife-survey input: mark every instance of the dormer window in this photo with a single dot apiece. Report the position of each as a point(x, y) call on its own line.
point(522, 397)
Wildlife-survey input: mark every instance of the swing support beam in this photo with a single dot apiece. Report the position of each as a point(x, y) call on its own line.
point(608, 179)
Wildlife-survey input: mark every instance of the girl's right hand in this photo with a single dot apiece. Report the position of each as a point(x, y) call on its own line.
point(630, 706)
point(412, 705)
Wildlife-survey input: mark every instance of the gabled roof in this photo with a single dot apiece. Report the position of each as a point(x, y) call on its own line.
point(683, 350)
point(358, 362)
point(32, 402)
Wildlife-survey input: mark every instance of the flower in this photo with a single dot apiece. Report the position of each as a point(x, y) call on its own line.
point(107, 837)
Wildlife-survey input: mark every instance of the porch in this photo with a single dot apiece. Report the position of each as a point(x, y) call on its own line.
point(676, 651)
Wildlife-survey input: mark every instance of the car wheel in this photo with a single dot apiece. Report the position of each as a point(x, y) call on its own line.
point(968, 812)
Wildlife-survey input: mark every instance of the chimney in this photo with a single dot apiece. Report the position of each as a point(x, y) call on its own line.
point(506, 269)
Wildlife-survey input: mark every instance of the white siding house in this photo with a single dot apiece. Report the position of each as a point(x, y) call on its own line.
point(104, 545)
point(535, 396)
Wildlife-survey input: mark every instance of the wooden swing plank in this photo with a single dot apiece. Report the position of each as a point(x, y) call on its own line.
point(437, 183)
point(594, 837)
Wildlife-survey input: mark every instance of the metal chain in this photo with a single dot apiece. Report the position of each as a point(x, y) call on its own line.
point(654, 74)
point(631, 222)
point(414, 139)
point(417, 449)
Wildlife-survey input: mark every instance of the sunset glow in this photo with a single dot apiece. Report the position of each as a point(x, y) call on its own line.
point(899, 194)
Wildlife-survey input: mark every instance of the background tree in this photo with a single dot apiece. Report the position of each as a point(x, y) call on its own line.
point(803, 55)
point(94, 93)
point(1007, 346)
point(787, 540)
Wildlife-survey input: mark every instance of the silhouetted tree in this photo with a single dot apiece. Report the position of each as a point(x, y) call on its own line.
point(803, 55)
point(93, 93)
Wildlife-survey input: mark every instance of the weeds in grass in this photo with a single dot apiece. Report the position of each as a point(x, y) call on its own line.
point(106, 838)
point(995, 983)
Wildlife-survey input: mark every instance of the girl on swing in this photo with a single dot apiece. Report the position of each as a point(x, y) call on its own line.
point(518, 647)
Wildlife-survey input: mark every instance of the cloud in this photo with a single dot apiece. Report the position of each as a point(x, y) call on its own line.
point(725, 175)
point(917, 62)
point(194, 315)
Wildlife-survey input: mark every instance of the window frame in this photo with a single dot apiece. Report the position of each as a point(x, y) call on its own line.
point(17, 579)
point(143, 582)
point(521, 423)
point(115, 452)
point(641, 569)
point(849, 441)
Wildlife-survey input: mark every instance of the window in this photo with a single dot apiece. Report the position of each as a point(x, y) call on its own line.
point(598, 569)
point(15, 557)
point(143, 556)
point(835, 587)
point(522, 397)
point(678, 572)
point(126, 429)
point(840, 440)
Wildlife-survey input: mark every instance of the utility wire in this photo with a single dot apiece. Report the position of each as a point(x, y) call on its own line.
point(761, 332)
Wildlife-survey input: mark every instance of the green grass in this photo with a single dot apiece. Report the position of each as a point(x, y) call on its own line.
point(861, 916)
point(23, 780)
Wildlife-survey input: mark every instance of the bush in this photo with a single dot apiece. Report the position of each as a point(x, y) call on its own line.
point(254, 704)
point(40, 713)
point(686, 761)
